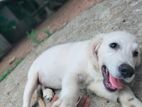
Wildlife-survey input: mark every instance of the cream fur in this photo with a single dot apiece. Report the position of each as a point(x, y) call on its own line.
point(65, 66)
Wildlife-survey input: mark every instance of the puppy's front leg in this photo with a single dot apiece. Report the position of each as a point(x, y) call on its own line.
point(69, 92)
point(128, 99)
point(124, 96)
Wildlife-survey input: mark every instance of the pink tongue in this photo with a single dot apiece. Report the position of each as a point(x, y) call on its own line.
point(116, 83)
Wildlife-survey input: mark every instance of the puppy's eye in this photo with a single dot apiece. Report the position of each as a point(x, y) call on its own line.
point(114, 45)
point(135, 53)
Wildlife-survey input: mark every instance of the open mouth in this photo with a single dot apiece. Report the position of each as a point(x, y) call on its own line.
point(111, 83)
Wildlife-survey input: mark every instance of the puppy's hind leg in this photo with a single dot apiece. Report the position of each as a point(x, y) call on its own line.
point(30, 87)
point(69, 93)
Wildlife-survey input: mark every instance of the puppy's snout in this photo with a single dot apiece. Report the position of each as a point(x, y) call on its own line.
point(126, 70)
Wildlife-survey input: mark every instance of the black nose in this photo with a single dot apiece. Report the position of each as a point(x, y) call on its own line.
point(126, 70)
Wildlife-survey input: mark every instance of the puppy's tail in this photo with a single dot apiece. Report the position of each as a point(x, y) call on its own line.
point(30, 87)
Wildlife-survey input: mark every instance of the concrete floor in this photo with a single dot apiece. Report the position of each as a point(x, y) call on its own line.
point(106, 16)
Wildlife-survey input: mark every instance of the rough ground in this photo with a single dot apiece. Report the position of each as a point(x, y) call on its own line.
point(106, 16)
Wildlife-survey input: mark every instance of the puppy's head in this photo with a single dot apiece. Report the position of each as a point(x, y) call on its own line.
point(117, 55)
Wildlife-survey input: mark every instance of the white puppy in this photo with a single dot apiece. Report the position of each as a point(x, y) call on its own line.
point(103, 64)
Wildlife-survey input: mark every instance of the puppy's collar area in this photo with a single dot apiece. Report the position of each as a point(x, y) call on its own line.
point(111, 83)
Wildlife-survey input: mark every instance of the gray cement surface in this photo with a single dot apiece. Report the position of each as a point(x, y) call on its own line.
point(106, 16)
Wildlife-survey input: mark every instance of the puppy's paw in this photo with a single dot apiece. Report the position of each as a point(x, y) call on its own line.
point(48, 94)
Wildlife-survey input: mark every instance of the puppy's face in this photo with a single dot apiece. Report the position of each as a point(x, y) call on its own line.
point(118, 55)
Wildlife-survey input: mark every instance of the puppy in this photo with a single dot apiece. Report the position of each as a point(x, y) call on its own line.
point(102, 64)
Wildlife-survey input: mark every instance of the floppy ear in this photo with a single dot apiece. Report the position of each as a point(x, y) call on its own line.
point(95, 45)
